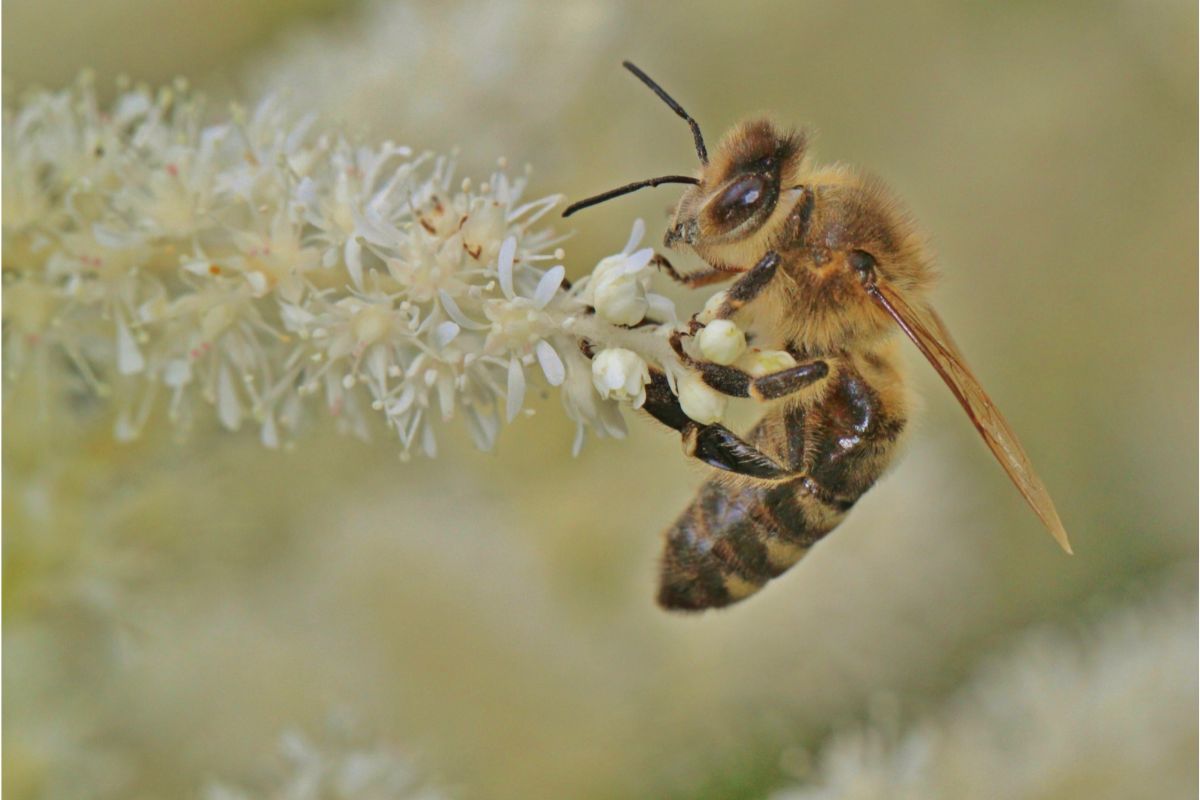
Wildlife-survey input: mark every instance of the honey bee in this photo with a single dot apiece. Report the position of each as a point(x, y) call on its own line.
point(827, 263)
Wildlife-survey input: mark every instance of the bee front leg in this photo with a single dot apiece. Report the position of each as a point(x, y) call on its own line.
point(697, 279)
point(749, 286)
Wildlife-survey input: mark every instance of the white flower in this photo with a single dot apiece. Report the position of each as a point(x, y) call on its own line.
point(721, 341)
point(618, 292)
point(621, 374)
point(700, 401)
point(259, 270)
point(618, 286)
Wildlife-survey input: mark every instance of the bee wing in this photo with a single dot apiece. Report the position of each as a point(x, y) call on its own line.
point(929, 334)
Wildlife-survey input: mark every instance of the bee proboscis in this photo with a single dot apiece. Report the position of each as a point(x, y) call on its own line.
point(828, 265)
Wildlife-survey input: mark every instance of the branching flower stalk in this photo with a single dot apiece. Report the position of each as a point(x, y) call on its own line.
point(267, 269)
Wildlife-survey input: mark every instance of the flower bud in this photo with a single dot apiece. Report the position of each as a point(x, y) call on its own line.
point(721, 341)
point(764, 362)
point(618, 288)
point(620, 374)
point(621, 300)
point(700, 401)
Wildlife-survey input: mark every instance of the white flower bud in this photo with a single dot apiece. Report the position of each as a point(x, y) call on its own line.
point(764, 362)
point(721, 341)
point(621, 374)
point(709, 312)
point(622, 301)
point(618, 293)
point(700, 401)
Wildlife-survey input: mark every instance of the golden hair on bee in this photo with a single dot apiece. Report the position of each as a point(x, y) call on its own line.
point(827, 266)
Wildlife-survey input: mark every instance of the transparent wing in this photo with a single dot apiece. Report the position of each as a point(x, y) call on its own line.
point(929, 334)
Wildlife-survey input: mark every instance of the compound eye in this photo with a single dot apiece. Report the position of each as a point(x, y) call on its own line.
point(739, 201)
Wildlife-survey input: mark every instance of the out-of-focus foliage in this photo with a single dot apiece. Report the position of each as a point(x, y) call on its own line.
point(172, 609)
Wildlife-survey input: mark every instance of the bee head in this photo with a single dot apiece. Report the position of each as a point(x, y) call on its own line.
point(729, 208)
point(732, 207)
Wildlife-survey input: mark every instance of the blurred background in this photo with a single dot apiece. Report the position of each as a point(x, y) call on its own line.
point(171, 610)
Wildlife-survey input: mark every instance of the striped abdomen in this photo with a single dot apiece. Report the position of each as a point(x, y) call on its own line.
point(739, 533)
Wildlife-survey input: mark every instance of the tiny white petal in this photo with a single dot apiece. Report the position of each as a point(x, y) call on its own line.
point(516, 390)
point(504, 266)
point(456, 314)
point(177, 372)
point(635, 235)
point(662, 307)
point(198, 267)
point(548, 285)
point(229, 409)
point(258, 283)
point(125, 429)
point(353, 255)
point(129, 355)
point(107, 237)
point(407, 396)
point(638, 261)
point(269, 434)
point(552, 365)
point(306, 193)
point(445, 332)
point(445, 388)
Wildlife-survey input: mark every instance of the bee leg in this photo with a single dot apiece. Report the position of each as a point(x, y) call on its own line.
point(749, 286)
point(720, 447)
point(715, 445)
point(788, 381)
point(739, 383)
point(696, 279)
point(663, 405)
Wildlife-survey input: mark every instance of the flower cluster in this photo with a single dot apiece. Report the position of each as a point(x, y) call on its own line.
point(264, 268)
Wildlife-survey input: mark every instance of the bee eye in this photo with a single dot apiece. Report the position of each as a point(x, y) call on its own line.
point(739, 201)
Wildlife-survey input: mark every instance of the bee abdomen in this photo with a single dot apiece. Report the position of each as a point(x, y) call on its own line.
point(729, 542)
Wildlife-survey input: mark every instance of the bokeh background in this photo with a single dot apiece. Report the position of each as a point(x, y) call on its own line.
point(172, 609)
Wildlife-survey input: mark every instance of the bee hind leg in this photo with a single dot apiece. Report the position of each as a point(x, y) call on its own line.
point(715, 445)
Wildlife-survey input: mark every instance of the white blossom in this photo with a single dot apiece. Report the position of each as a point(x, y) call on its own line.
point(618, 287)
point(258, 270)
point(621, 374)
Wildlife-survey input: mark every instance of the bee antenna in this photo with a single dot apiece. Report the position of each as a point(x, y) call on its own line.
point(626, 189)
point(678, 109)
